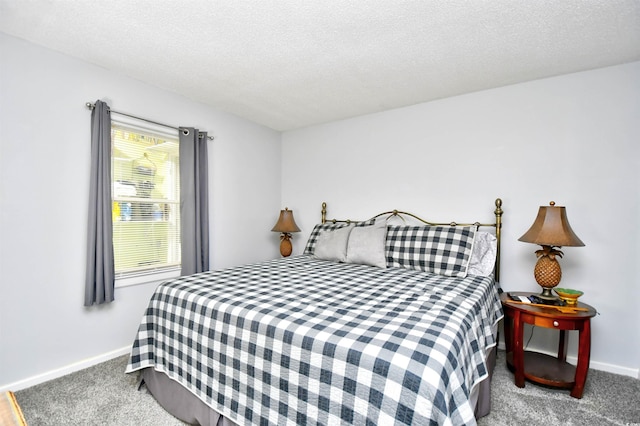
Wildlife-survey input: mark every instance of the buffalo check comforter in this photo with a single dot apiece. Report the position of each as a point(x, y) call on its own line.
point(307, 341)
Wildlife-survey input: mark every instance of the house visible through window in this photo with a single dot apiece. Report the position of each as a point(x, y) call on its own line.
point(146, 200)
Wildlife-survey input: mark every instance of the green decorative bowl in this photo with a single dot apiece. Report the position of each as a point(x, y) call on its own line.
point(568, 295)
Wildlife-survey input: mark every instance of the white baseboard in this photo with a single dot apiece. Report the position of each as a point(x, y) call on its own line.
point(611, 368)
point(596, 365)
point(63, 371)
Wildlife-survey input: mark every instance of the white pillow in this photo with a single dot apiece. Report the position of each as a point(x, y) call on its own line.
point(367, 244)
point(332, 245)
point(483, 256)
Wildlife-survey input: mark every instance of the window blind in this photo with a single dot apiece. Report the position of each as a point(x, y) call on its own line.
point(146, 199)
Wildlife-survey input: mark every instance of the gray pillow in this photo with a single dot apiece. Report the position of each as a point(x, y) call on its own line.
point(367, 244)
point(332, 245)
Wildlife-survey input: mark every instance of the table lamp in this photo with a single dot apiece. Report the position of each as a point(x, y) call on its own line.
point(285, 225)
point(552, 231)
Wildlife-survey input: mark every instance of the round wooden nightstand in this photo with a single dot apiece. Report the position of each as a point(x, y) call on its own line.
point(541, 368)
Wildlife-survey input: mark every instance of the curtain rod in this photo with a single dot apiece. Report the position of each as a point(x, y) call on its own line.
point(92, 106)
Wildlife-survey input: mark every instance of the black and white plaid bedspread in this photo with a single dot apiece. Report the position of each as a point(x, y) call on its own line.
point(306, 341)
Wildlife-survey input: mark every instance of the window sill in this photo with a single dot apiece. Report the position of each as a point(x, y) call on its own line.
point(154, 277)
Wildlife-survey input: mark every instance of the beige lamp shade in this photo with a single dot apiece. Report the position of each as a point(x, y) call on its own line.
point(286, 223)
point(551, 228)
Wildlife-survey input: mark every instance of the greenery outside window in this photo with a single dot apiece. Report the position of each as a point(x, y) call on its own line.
point(146, 199)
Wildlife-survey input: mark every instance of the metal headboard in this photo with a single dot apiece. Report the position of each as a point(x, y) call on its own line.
point(497, 225)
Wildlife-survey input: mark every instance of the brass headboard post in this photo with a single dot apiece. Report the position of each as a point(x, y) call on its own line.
point(324, 213)
point(498, 212)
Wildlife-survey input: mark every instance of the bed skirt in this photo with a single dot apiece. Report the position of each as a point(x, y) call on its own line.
point(181, 403)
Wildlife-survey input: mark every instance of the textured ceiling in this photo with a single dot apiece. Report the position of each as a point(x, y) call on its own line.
point(288, 64)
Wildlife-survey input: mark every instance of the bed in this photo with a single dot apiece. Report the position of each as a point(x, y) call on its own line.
point(392, 320)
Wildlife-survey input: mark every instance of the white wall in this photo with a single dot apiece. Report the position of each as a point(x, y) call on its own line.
point(572, 139)
point(44, 169)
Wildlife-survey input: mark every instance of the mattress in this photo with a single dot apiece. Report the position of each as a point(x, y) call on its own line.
point(301, 340)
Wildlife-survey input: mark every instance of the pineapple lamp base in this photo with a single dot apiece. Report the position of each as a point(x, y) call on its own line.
point(547, 271)
point(285, 245)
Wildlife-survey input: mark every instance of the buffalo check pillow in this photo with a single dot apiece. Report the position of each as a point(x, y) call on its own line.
point(310, 248)
point(443, 250)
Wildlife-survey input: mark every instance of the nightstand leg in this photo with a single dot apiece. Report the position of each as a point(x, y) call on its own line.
point(518, 350)
point(508, 341)
point(584, 353)
point(562, 346)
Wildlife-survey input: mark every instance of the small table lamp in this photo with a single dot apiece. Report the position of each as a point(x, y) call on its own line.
point(552, 231)
point(286, 225)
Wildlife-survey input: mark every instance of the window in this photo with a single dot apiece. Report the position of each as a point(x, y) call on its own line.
point(146, 199)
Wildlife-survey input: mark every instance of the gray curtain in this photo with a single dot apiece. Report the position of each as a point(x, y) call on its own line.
point(100, 279)
point(194, 201)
